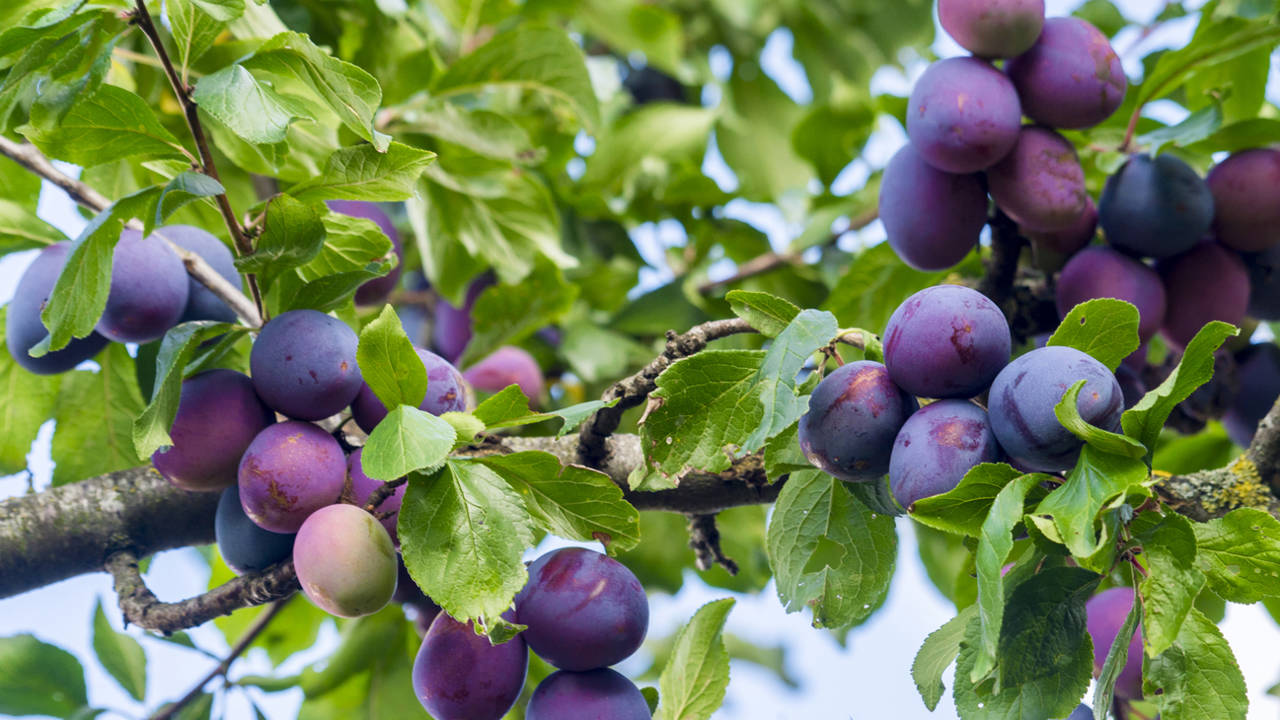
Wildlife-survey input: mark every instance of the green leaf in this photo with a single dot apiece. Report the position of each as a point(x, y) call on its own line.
point(769, 314)
point(29, 401)
point(1044, 624)
point(1173, 581)
point(1117, 658)
point(1241, 135)
point(1215, 41)
point(224, 10)
point(531, 57)
point(828, 551)
point(936, 655)
point(783, 455)
point(251, 109)
point(1068, 413)
point(1198, 126)
point(1240, 555)
point(877, 282)
point(350, 244)
point(365, 173)
point(292, 235)
point(810, 331)
point(94, 416)
point(1197, 677)
point(362, 641)
point(572, 501)
point(37, 678)
point(462, 532)
point(964, 508)
point(507, 314)
point(510, 408)
point(327, 293)
point(104, 127)
point(193, 29)
point(1105, 329)
point(151, 428)
point(20, 229)
point(1144, 421)
point(120, 654)
point(674, 133)
point(694, 681)
point(183, 189)
point(754, 136)
point(1096, 481)
point(406, 440)
point(389, 363)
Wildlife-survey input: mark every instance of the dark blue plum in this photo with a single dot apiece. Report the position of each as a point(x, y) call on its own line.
point(149, 290)
point(932, 218)
point(594, 695)
point(304, 365)
point(1258, 372)
point(446, 392)
point(1264, 284)
point(937, 445)
point(379, 289)
point(946, 341)
point(1023, 397)
point(23, 327)
point(854, 415)
point(243, 545)
point(1082, 712)
point(459, 675)
point(1155, 208)
point(202, 304)
point(1131, 385)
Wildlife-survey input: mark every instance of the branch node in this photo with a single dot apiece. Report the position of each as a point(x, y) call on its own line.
point(704, 538)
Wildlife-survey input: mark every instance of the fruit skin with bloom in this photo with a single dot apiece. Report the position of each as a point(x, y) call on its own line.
point(23, 328)
point(303, 364)
point(993, 28)
point(854, 415)
point(593, 695)
point(1071, 77)
point(149, 289)
point(290, 470)
point(459, 675)
point(949, 128)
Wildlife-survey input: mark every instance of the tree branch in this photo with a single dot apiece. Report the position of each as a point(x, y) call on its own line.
point(1002, 266)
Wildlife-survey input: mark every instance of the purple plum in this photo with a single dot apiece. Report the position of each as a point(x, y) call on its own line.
point(290, 470)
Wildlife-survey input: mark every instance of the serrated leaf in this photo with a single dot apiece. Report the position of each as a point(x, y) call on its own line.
point(1117, 658)
point(406, 440)
point(292, 234)
point(1106, 329)
point(937, 653)
point(769, 314)
point(37, 678)
point(20, 229)
point(1197, 678)
point(1068, 413)
point(783, 455)
point(1240, 555)
point(693, 683)
point(964, 508)
point(29, 401)
point(389, 363)
point(1173, 581)
point(120, 655)
point(326, 293)
point(828, 551)
point(364, 173)
point(94, 416)
point(350, 244)
point(1044, 623)
point(251, 109)
point(1097, 480)
point(462, 533)
point(151, 428)
point(183, 189)
point(103, 127)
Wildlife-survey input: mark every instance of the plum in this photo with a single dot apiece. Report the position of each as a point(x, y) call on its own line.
point(1071, 239)
point(202, 304)
point(1040, 183)
point(1101, 272)
point(1024, 394)
point(1106, 613)
point(345, 562)
point(452, 329)
point(219, 414)
point(594, 695)
point(1155, 208)
point(507, 366)
point(244, 546)
point(149, 290)
point(459, 675)
point(23, 327)
point(1132, 388)
point(1246, 210)
point(1207, 283)
point(1264, 284)
point(362, 486)
point(854, 415)
point(408, 593)
point(963, 115)
point(446, 392)
point(304, 364)
point(937, 445)
point(379, 289)
point(1082, 712)
point(1071, 77)
point(946, 341)
point(956, 211)
point(1258, 372)
point(993, 28)
point(290, 470)
point(584, 609)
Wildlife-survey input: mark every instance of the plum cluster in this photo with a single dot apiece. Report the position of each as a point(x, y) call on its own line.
point(951, 344)
point(968, 139)
point(583, 612)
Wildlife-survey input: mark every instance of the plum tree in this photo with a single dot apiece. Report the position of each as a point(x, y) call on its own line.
point(953, 134)
point(202, 304)
point(507, 366)
point(946, 341)
point(1101, 272)
point(244, 546)
point(584, 610)
point(938, 239)
point(1190, 302)
point(345, 561)
point(459, 675)
point(363, 486)
point(219, 415)
point(1071, 77)
point(1106, 613)
point(854, 415)
point(593, 695)
point(999, 29)
point(1246, 216)
point(304, 365)
point(375, 291)
point(937, 445)
point(1155, 208)
point(149, 290)
point(24, 329)
point(1040, 183)
point(1259, 387)
point(446, 392)
point(290, 470)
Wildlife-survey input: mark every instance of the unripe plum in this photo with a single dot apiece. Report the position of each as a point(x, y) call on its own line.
point(459, 675)
point(290, 470)
point(446, 392)
point(993, 28)
point(594, 695)
point(1258, 373)
point(1264, 284)
point(963, 115)
point(1072, 238)
point(304, 364)
point(362, 486)
point(932, 218)
point(219, 414)
point(244, 546)
point(23, 327)
point(946, 341)
point(584, 609)
point(1155, 208)
point(149, 290)
point(345, 562)
point(854, 415)
point(1246, 208)
point(1040, 183)
point(379, 289)
point(1106, 613)
point(202, 304)
point(1071, 77)
point(452, 329)
point(507, 366)
point(938, 444)
point(1023, 397)
point(1101, 272)
point(1207, 283)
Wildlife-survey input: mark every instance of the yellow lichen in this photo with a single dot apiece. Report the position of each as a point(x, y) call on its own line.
point(1241, 487)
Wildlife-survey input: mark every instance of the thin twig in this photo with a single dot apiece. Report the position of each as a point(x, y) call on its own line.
point(259, 624)
point(704, 538)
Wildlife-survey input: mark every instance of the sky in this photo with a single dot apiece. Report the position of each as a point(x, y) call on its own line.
point(868, 679)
